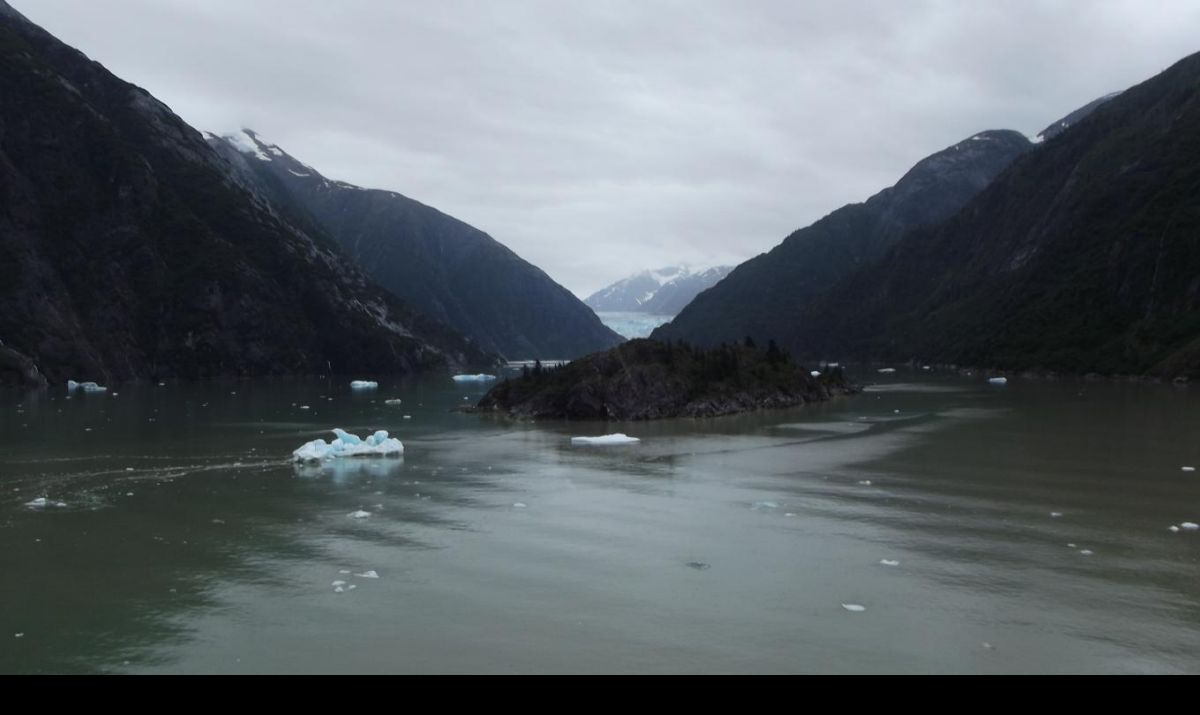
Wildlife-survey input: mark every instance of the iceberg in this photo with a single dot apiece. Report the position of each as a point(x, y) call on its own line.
point(348, 445)
point(393, 403)
point(473, 378)
point(998, 381)
point(1189, 469)
point(607, 440)
point(364, 385)
point(854, 607)
point(887, 371)
point(72, 386)
point(1189, 526)
point(815, 373)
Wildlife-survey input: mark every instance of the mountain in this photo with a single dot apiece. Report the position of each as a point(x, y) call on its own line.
point(762, 297)
point(1083, 257)
point(436, 263)
point(1075, 117)
point(129, 251)
point(662, 292)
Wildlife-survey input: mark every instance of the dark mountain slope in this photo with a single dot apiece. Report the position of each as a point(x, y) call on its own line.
point(1084, 256)
point(128, 251)
point(437, 263)
point(763, 296)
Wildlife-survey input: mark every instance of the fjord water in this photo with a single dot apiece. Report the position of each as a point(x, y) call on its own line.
point(189, 543)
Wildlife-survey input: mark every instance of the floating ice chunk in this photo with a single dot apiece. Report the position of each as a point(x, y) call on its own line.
point(39, 503)
point(1056, 515)
point(1189, 469)
point(344, 572)
point(865, 483)
point(368, 574)
point(889, 562)
point(854, 607)
point(351, 587)
point(339, 589)
point(335, 584)
point(360, 514)
point(364, 385)
point(1173, 529)
point(1189, 526)
point(887, 371)
point(393, 403)
point(520, 505)
point(348, 445)
point(91, 387)
point(408, 417)
point(474, 378)
point(764, 505)
point(61, 505)
point(605, 441)
point(815, 373)
point(1086, 552)
point(998, 381)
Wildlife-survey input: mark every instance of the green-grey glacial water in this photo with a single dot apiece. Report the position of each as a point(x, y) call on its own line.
point(982, 529)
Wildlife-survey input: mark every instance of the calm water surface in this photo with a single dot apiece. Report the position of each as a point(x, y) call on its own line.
point(189, 543)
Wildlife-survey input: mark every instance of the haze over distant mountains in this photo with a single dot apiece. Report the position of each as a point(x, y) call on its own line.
point(441, 266)
point(1082, 256)
point(660, 292)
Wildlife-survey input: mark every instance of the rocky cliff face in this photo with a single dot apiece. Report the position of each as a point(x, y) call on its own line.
point(129, 250)
point(436, 263)
point(648, 380)
point(763, 297)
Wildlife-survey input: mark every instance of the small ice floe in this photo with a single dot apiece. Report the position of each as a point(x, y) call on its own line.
point(474, 378)
point(1086, 552)
point(408, 417)
point(1173, 529)
point(305, 407)
point(764, 505)
point(854, 607)
point(339, 589)
point(815, 373)
point(347, 445)
point(39, 503)
point(865, 483)
point(1070, 546)
point(889, 562)
point(368, 574)
point(393, 403)
point(364, 385)
point(698, 565)
point(520, 505)
point(1056, 515)
point(1189, 526)
point(360, 514)
point(344, 572)
point(607, 440)
point(887, 371)
point(335, 584)
point(1188, 469)
point(999, 381)
point(91, 387)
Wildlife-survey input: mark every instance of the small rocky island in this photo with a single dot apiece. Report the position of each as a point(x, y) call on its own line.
point(650, 380)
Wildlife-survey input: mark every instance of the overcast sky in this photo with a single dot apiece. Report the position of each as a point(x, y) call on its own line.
point(598, 138)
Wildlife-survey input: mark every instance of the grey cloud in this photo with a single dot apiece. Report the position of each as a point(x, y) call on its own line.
point(600, 138)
